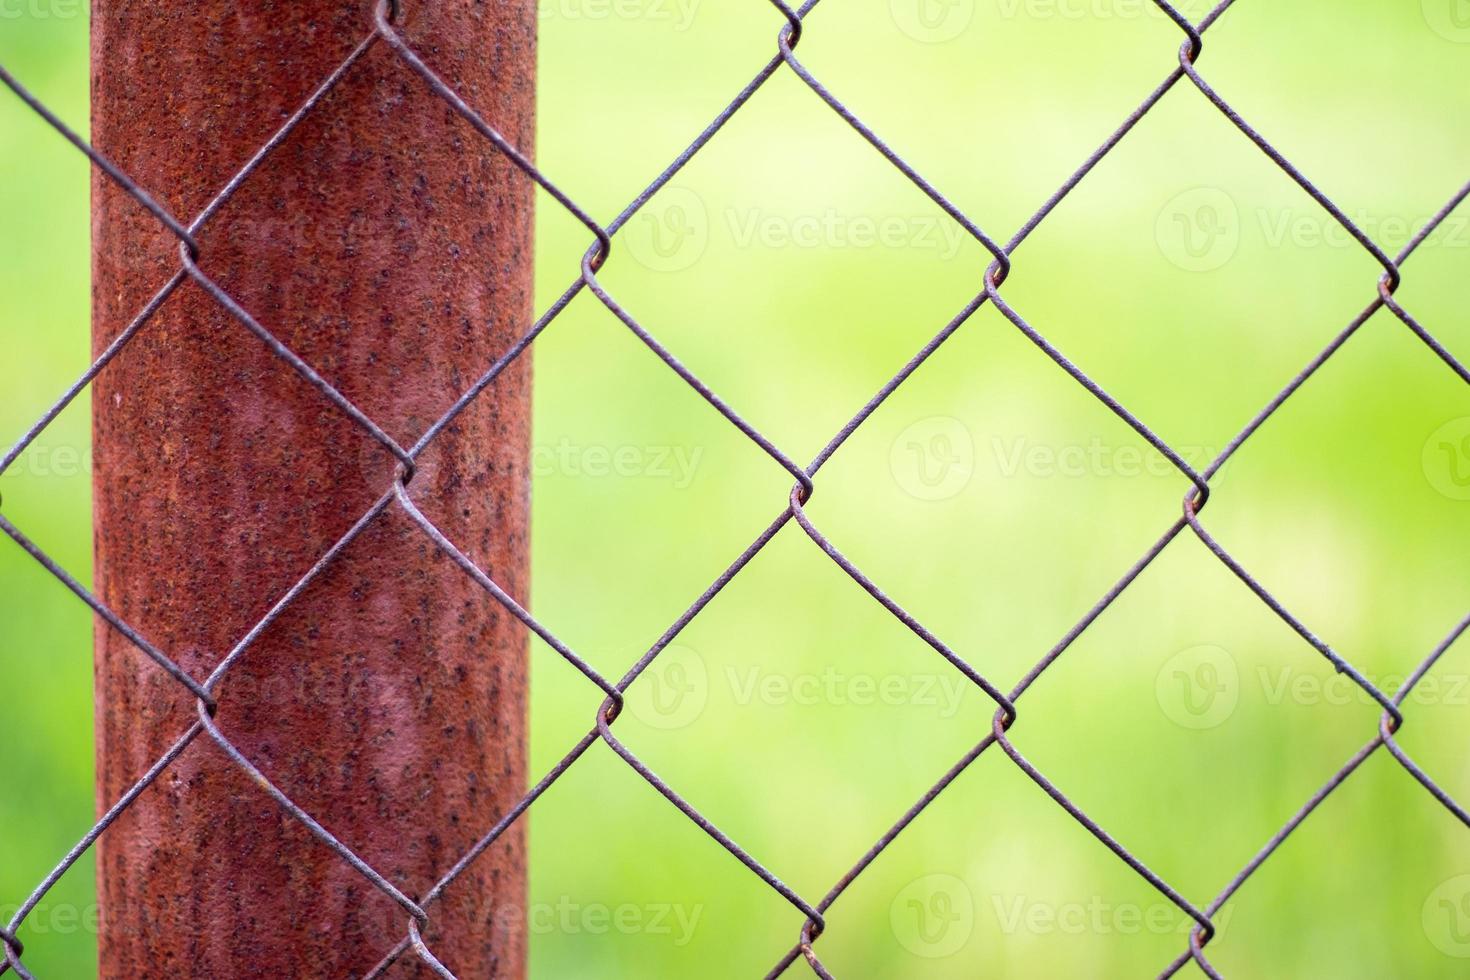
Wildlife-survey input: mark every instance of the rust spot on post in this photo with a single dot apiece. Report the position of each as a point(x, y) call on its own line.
point(390, 246)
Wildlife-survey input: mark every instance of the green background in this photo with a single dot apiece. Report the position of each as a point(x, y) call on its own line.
point(809, 721)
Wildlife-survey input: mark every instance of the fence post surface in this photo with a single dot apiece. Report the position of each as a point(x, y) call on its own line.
point(387, 246)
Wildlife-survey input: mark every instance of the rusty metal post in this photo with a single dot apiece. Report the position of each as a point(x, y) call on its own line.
point(390, 247)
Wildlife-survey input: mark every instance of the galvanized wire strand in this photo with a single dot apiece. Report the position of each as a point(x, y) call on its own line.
point(383, 17)
point(102, 163)
point(400, 493)
point(112, 619)
point(285, 353)
point(1326, 790)
point(307, 820)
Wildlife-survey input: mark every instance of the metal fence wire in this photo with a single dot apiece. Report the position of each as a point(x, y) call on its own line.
point(380, 27)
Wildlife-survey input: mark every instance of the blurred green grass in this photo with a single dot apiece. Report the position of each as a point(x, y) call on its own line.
point(795, 271)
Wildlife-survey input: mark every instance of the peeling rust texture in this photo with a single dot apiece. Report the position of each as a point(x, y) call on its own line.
point(390, 247)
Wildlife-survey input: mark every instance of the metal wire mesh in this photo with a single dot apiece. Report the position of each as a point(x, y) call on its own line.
point(381, 31)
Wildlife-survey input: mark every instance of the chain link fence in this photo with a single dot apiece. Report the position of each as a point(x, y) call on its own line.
point(811, 910)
